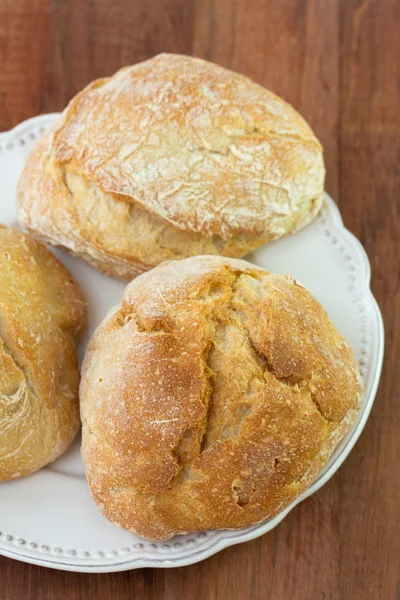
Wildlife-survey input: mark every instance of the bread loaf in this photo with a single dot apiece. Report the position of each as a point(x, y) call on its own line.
point(211, 398)
point(42, 311)
point(171, 158)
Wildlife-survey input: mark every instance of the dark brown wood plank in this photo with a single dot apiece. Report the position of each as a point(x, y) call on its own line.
point(23, 54)
point(370, 201)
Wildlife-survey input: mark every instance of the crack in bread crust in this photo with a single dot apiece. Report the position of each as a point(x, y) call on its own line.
point(297, 384)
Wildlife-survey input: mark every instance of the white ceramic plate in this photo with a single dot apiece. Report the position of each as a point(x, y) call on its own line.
point(49, 518)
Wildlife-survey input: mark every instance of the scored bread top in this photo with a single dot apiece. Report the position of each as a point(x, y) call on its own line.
point(198, 145)
point(42, 310)
point(211, 397)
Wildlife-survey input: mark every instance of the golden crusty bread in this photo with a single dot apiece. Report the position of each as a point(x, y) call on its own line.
point(42, 310)
point(170, 158)
point(211, 398)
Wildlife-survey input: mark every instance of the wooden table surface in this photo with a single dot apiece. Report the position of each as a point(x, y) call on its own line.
point(338, 63)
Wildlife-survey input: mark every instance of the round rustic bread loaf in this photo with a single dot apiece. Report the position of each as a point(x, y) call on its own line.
point(170, 158)
point(211, 397)
point(42, 310)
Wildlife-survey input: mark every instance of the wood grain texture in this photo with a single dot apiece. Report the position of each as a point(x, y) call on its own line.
point(338, 62)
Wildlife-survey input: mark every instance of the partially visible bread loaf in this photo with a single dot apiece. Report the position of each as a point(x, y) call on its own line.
point(42, 311)
point(170, 158)
point(211, 398)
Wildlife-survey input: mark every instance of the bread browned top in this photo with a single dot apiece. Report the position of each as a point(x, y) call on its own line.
point(211, 397)
point(42, 310)
point(203, 147)
point(169, 158)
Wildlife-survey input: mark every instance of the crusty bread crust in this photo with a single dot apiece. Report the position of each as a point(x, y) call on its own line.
point(211, 397)
point(42, 310)
point(170, 158)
